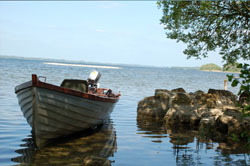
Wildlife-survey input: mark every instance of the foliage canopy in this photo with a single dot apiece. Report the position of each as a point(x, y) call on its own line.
point(245, 79)
point(232, 67)
point(209, 25)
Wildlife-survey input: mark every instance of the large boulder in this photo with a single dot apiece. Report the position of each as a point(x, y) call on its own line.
point(181, 90)
point(163, 91)
point(246, 124)
point(154, 106)
point(181, 111)
point(181, 99)
point(182, 116)
point(207, 124)
point(213, 99)
point(224, 97)
point(205, 112)
point(230, 122)
point(244, 99)
point(205, 100)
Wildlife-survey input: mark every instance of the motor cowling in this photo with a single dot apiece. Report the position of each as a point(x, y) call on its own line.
point(93, 79)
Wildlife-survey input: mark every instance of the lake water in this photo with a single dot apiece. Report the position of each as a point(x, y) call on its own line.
point(124, 141)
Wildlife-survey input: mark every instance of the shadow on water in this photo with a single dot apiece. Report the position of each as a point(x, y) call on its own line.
point(190, 146)
point(71, 150)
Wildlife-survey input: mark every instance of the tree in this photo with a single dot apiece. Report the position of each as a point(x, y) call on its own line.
point(209, 25)
point(244, 81)
point(232, 67)
point(211, 67)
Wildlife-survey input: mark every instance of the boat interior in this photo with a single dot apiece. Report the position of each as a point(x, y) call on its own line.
point(79, 85)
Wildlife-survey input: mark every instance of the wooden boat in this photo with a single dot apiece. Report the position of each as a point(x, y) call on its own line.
point(57, 111)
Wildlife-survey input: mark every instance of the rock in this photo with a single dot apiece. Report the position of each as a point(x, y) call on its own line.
point(246, 123)
point(214, 98)
point(178, 90)
point(224, 97)
point(244, 99)
point(205, 100)
point(199, 92)
point(96, 161)
point(163, 96)
point(209, 112)
point(154, 106)
point(163, 91)
point(182, 115)
point(193, 95)
point(207, 124)
point(232, 111)
point(181, 98)
point(230, 122)
point(214, 113)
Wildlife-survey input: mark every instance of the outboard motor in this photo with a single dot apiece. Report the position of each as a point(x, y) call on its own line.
point(93, 79)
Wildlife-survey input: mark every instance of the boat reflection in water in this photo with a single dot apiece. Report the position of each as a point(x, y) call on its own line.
point(184, 140)
point(71, 150)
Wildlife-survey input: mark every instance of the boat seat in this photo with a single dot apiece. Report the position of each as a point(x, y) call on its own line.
point(78, 85)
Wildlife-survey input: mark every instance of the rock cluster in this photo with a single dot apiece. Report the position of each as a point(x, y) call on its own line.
point(211, 111)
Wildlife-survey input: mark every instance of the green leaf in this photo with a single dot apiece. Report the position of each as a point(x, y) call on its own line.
point(239, 65)
point(230, 77)
point(235, 83)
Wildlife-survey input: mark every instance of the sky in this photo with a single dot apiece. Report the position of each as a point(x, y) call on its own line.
point(117, 32)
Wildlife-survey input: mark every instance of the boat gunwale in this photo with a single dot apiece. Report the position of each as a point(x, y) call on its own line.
point(35, 82)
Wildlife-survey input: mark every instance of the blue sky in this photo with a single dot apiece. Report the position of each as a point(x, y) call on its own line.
point(127, 32)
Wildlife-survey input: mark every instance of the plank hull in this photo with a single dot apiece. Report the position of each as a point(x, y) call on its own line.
point(53, 114)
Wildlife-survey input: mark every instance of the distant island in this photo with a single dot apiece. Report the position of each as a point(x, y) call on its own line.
point(211, 67)
point(215, 68)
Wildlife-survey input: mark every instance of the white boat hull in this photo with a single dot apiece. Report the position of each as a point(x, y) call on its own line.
point(53, 114)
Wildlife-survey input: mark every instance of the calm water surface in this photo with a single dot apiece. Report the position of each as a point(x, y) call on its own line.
point(124, 141)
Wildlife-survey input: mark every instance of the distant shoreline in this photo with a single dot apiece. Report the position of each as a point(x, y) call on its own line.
point(227, 68)
point(97, 63)
point(219, 71)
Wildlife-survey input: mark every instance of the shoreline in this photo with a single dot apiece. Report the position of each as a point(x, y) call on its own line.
point(219, 71)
